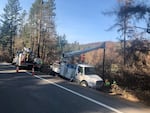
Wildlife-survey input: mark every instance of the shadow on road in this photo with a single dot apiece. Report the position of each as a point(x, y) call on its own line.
point(23, 93)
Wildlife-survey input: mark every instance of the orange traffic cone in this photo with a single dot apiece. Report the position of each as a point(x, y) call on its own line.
point(33, 71)
point(17, 69)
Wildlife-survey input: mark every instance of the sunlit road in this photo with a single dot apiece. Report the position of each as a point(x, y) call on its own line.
point(23, 93)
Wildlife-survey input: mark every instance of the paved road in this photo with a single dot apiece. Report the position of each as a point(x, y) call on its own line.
point(23, 93)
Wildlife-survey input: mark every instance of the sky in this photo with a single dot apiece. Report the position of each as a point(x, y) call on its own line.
point(80, 20)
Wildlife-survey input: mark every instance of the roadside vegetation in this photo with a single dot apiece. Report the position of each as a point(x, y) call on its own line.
point(127, 62)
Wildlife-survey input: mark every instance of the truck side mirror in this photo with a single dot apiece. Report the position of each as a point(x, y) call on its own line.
point(80, 73)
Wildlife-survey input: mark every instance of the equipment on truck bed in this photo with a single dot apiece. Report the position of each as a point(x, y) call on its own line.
point(24, 58)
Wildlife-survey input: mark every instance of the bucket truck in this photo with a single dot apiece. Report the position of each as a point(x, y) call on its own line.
point(24, 58)
point(74, 70)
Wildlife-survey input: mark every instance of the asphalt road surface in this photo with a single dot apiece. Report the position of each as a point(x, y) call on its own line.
point(23, 93)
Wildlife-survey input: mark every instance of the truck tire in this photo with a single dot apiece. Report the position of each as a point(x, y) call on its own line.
point(84, 83)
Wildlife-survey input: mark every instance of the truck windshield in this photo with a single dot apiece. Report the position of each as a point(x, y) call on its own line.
point(90, 71)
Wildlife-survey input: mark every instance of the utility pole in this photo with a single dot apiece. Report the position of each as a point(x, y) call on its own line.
point(104, 52)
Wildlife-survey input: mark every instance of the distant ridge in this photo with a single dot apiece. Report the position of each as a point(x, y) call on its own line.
point(93, 44)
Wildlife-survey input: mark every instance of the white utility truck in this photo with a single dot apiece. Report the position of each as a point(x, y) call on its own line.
point(84, 74)
point(26, 58)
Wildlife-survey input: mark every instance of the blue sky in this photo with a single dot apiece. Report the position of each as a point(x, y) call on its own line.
point(80, 20)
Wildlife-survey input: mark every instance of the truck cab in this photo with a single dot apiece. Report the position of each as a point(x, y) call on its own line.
point(86, 76)
point(55, 68)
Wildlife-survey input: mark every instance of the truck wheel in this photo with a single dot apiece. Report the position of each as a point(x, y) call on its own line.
point(84, 84)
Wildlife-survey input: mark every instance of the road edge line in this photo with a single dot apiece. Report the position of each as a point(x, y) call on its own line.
point(78, 94)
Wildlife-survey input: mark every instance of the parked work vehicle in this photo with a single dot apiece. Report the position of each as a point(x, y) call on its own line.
point(83, 74)
point(24, 58)
point(73, 70)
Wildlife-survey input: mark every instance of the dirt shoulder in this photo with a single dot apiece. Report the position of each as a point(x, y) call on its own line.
point(130, 95)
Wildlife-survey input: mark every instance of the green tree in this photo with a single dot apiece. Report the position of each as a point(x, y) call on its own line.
point(10, 20)
point(42, 23)
point(61, 42)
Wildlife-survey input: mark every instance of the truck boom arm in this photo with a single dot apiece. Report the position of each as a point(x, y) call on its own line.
point(76, 53)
